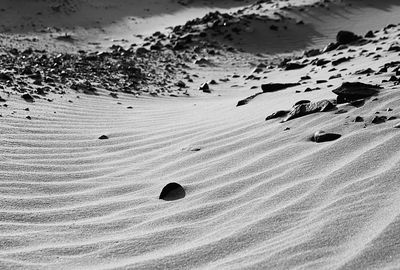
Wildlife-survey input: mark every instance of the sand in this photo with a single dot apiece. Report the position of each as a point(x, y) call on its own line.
point(259, 194)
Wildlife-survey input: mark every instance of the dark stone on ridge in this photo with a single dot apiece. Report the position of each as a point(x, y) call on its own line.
point(28, 98)
point(321, 136)
point(310, 108)
point(346, 37)
point(272, 87)
point(351, 91)
point(277, 114)
point(172, 191)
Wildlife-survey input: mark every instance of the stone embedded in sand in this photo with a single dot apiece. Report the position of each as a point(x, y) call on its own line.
point(340, 60)
point(395, 47)
point(2, 99)
point(351, 91)
point(310, 108)
point(330, 47)
point(247, 100)
point(141, 51)
point(202, 62)
point(358, 119)
point(277, 114)
point(103, 137)
point(28, 98)
point(370, 34)
point(172, 192)
point(272, 87)
point(293, 66)
point(205, 88)
point(346, 37)
point(364, 71)
point(322, 136)
point(379, 119)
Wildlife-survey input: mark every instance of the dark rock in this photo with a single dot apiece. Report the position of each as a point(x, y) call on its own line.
point(358, 119)
point(305, 78)
point(379, 119)
point(2, 99)
point(340, 60)
point(302, 102)
point(293, 66)
point(394, 79)
point(141, 51)
point(180, 84)
point(28, 98)
point(330, 47)
point(394, 48)
point(272, 87)
point(277, 114)
point(322, 62)
point(172, 192)
point(351, 91)
point(364, 71)
point(204, 87)
point(346, 37)
point(370, 34)
point(321, 81)
point(29, 118)
point(357, 103)
point(341, 111)
point(322, 136)
point(312, 52)
point(310, 108)
point(202, 62)
point(247, 100)
point(274, 28)
point(103, 137)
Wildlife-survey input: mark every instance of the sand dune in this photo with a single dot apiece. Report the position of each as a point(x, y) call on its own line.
point(259, 194)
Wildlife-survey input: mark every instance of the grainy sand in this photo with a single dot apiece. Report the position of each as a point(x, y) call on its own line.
point(257, 196)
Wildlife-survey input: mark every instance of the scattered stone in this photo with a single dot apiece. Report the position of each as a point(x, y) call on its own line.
point(2, 99)
point(205, 88)
point(370, 34)
point(322, 136)
point(364, 71)
point(352, 91)
point(28, 98)
point(103, 137)
point(248, 99)
point(358, 119)
point(394, 48)
point(172, 192)
point(341, 111)
point(330, 47)
point(357, 103)
point(29, 118)
point(293, 66)
point(340, 61)
point(277, 114)
point(310, 108)
point(346, 37)
point(379, 119)
point(272, 87)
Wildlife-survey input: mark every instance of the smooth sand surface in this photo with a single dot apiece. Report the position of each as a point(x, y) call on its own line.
point(259, 194)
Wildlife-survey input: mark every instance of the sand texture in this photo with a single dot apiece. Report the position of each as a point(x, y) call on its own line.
point(314, 186)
